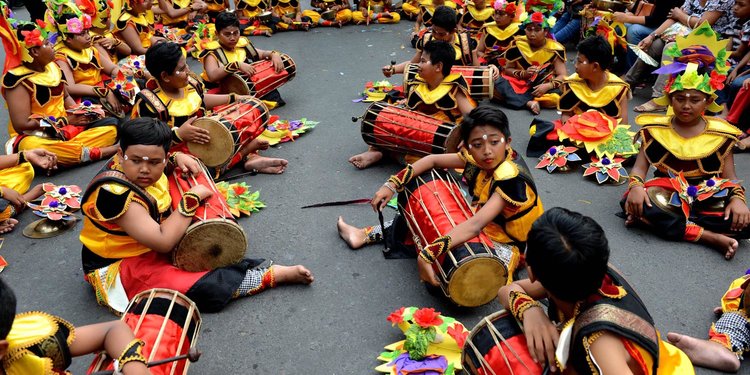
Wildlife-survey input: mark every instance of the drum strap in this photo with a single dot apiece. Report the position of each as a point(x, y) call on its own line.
point(119, 177)
point(161, 110)
point(463, 39)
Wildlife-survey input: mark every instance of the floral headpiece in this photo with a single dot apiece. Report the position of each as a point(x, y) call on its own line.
point(17, 46)
point(66, 17)
point(541, 12)
point(703, 49)
point(98, 10)
point(509, 7)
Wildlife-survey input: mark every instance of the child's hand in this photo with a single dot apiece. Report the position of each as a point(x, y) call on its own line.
point(106, 43)
point(636, 198)
point(247, 69)
point(41, 158)
point(203, 192)
point(541, 336)
point(746, 84)
point(388, 70)
point(114, 102)
point(541, 89)
point(739, 212)
point(381, 198)
point(278, 65)
point(188, 164)
point(15, 198)
point(191, 133)
point(731, 76)
point(426, 273)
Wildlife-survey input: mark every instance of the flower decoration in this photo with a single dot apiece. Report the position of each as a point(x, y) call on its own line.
point(715, 188)
point(87, 109)
point(68, 195)
point(133, 66)
point(605, 169)
point(240, 199)
point(433, 342)
point(508, 7)
point(376, 91)
point(589, 129)
point(74, 25)
point(54, 210)
point(683, 194)
point(32, 38)
point(558, 157)
point(124, 86)
point(285, 130)
point(619, 144)
point(537, 17)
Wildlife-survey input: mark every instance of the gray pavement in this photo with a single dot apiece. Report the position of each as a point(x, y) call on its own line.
point(337, 325)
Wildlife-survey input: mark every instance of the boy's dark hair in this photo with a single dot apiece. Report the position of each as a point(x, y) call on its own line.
point(7, 309)
point(597, 50)
point(484, 115)
point(226, 19)
point(567, 253)
point(440, 52)
point(163, 58)
point(445, 18)
point(145, 131)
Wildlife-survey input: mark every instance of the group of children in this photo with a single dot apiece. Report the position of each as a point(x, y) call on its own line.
point(65, 65)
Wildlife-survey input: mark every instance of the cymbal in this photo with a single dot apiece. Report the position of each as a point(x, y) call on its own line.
point(46, 228)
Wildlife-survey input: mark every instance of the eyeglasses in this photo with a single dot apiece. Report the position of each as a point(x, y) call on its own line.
point(140, 161)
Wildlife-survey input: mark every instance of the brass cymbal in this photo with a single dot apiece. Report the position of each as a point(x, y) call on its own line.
point(46, 228)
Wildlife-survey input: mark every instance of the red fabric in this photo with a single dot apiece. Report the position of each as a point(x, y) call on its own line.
point(212, 208)
point(405, 129)
point(495, 358)
point(266, 79)
point(519, 86)
point(741, 102)
point(154, 270)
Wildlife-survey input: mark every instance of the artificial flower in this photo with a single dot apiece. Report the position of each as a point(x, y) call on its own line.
point(32, 38)
point(605, 169)
point(427, 317)
point(459, 333)
point(69, 195)
point(537, 17)
point(396, 317)
point(717, 80)
point(74, 26)
point(558, 157)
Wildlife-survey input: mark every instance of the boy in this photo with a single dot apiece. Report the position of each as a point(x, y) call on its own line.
point(34, 89)
point(35, 343)
point(705, 203)
point(135, 25)
point(503, 192)
point(438, 93)
point(177, 99)
point(606, 329)
point(287, 15)
point(343, 13)
point(498, 35)
point(101, 34)
point(127, 244)
point(371, 11)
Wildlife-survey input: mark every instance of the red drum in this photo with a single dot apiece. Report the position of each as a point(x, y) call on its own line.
point(470, 274)
point(402, 130)
point(214, 239)
point(168, 322)
point(230, 127)
point(479, 78)
point(263, 81)
point(496, 345)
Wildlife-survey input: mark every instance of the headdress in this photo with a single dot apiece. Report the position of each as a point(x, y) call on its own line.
point(541, 12)
point(17, 48)
point(98, 10)
point(701, 49)
point(511, 8)
point(65, 16)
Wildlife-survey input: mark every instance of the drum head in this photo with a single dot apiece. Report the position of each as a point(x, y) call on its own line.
point(476, 281)
point(234, 84)
point(210, 244)
point(328, 15)
point(221, 148)
point(453, 140)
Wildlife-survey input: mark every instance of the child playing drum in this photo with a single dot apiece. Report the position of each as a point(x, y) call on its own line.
point(606, 329)
point(503, 192)
point(126, 244)
point(174, 97)
point(34, 342)
point(438, 93)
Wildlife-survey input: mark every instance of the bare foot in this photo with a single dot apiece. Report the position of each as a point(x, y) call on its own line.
point(705, 353)
point(366, 159)
point(743, 145)
point(8, 225)
point(718, 310)
point(353, 236)
point(724, 244)
point(533, 106)
point(292, 274)
point(262, 164)
point(256, 144)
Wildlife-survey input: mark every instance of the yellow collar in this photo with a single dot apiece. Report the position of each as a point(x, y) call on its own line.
point(502, 34)
point(29, 329)
point(159, 190)
point(600, 98)
point(190, 103)
point(480, 15)
point(431, 96)
point(145, 19)
point(540, 56)
point(717, 132)
point(50, 77)
point(83, 57)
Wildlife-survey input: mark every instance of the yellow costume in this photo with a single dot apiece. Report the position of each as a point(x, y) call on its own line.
point(112, 51)
point(343, 16)
point(497, 40)
point(474, 19)
point(47, 91)
point(289, 8)
point(441, 102)
point(461, 44)
point(216, 6)
point(248, 11)
point(166, 20)
point(427, 9)
point(154, 102)
point(577, 97)
point(16, 178)
point(142, 24)
point(86, 65)
point(38, 345)
point(376, 17)
point(412, 8)
point(244, 52)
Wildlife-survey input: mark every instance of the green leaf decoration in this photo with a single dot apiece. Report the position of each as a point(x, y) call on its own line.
point(450, 370)
point(390, 355)
point(620, 143)
point(673, 51)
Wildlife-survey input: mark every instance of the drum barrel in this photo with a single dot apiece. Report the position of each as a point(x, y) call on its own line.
point(402, 130)
point(483, 339)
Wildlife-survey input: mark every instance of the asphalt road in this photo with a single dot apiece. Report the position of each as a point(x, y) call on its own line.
point(337, 325)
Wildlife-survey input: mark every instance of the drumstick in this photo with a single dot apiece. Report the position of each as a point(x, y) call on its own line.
point(193, 355)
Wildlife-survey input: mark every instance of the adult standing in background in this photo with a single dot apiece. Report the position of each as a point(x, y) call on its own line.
point(641, 26)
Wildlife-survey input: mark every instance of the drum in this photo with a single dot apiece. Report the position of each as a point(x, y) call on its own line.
point(329, 15)
point(402, 130)
point(230, 127)
point(263, 81)
point(378, 8)
point(470, 274)
point(265, 17)
point(495, 346)
point(479, 78)
point(214, 239)
point(168, 322)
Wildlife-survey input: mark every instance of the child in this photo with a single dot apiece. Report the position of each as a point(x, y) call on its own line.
point(475, 15)
point(127, 244)
point(179, 13)
point(443, 29)
point(34, 342)
point(503, 192)
point(426, 12)
point(232, 53)
point(535, 65)
point(80, 62)
point(727, 338)
point(372, 11)
point(16, 175)
point(498, 35)
point(438, 93)
point(340, 7)
point(34, 89)
point(177, 99)
point(606, 327)
point(135, 25)
point(101, 34)
point(287, 15)
point(708, 205)
point(249, 11)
